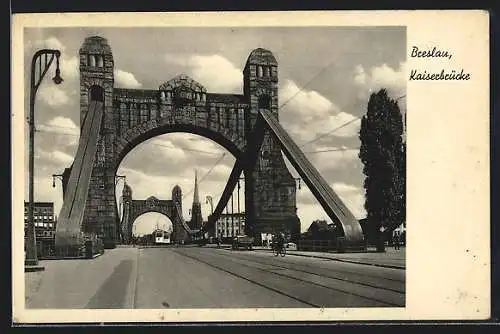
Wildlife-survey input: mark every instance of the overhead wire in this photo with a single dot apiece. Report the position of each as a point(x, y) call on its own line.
point(152, 143)
point(336, 129)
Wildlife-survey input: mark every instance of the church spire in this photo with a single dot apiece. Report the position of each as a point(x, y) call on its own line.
point(196, 198)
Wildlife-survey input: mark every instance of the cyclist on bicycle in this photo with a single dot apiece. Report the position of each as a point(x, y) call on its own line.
point(279, 241)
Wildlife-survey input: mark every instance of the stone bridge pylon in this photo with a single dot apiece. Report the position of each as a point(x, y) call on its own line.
point(133, 208)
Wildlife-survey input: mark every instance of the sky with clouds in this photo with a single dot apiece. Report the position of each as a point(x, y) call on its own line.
point(326, 76)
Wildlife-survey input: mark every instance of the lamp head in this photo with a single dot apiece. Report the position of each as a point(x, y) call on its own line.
point(57, 78)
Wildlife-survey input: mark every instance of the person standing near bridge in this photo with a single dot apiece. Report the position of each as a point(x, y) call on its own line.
point(395, 240)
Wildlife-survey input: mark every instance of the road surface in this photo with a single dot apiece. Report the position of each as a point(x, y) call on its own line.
point(199, 277)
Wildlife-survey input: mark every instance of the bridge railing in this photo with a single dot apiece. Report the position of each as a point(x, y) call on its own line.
point(330, 245)
point(91, 246)
point(317, 245)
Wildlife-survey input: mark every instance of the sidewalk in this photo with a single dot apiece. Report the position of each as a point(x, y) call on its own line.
point(73, 283)
point(395, 259)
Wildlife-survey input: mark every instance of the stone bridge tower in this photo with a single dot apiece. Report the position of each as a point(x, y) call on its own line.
point(96, 84)
point(126, 203)
point(179, 232)
point(270, 189)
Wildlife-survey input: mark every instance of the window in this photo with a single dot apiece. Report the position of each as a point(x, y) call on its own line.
point(259, 71)
point(264, 102)
point(266, 71)
point(221, 115)
point(152, 112)
point(144, 113)
point(100, 61)
point(96, 93)
point(92, 60)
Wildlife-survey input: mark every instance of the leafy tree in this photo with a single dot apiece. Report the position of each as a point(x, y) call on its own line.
point(383, 154)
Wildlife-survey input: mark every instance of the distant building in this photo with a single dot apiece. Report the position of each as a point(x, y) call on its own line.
point(45, 223)
point(230, 224)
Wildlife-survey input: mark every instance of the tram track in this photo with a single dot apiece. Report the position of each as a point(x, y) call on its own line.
point(344, 279)
point(315, 281)
point(210, 264)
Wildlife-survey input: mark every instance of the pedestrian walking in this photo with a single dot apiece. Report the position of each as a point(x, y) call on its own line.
point(395, 241)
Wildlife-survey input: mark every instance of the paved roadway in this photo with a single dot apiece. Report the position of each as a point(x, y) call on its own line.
point(198, 277)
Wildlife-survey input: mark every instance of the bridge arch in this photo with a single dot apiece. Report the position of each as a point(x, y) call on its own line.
point(134, 137)
point(156, 218)
point(133, 209)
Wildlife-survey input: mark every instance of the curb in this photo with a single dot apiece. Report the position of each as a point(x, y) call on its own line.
point(29, 269)
point(347, 261)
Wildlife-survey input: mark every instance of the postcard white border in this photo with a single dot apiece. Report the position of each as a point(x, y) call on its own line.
point(448, 253)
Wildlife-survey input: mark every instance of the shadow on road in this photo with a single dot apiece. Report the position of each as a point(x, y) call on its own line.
point(113, 292)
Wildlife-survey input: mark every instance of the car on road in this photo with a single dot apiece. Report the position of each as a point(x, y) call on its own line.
point(291, 246)
point(242, 241)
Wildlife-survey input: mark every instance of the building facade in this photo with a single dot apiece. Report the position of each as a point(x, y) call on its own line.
point(45, 222)
point(230, 225)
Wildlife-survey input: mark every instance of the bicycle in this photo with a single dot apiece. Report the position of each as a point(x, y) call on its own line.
point(281, 250)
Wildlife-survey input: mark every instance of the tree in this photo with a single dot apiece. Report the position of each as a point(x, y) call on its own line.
point(383, 154)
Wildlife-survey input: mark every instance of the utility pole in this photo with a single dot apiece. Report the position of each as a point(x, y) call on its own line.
point(232, 216)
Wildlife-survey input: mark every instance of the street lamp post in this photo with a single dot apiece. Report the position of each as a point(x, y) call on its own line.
point(239, 196)
point(209, 200)
point(54, 177)
point(41, 70)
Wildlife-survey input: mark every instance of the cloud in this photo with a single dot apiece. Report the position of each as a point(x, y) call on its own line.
point(196, 143)
point(307, 114)
point(53, 96)
point(214, 72)
point(353, 197)
point(69, 68)
point(64, 122)
point(126, 79)
point(60, 132)
point(62, 157)
point(51, 161)
point(309, 105)
point(54, 43)
point(383, 76)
